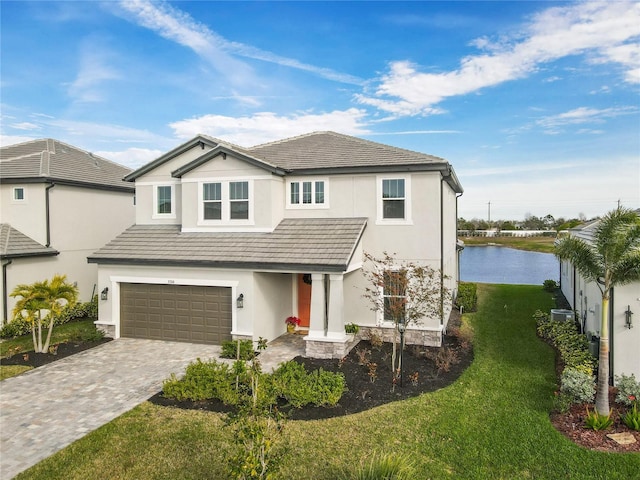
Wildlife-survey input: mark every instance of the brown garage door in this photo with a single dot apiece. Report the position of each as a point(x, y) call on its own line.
point(181, 313)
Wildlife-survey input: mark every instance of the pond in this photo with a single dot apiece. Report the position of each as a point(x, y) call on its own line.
point(507, 265)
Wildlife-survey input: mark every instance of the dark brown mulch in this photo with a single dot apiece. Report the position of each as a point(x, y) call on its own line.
point(363, 393)
point(61, 350)
point(571, 425)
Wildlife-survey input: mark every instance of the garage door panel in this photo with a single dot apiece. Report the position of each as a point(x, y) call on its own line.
point(196, 314)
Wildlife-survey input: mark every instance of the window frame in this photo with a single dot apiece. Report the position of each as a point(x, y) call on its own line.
point(156, 190)
point(14, 192)
point(313, 192)
point(226, 201)
point(380, 219)
point(383, 314)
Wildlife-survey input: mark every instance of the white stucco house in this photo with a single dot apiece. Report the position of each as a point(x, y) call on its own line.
point(586, 299)
point(229, 241)
point(58, 204)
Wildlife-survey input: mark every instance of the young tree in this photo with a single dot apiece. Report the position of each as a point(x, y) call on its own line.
point(46, 298)
point(405, 293)
point(612, 258)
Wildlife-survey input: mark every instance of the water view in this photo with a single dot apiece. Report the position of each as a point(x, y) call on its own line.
point(507, 265)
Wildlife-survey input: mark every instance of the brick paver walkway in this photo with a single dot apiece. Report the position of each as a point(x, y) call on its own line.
point(46, 409)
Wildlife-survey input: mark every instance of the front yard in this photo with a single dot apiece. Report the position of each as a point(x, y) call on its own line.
point(492, 423)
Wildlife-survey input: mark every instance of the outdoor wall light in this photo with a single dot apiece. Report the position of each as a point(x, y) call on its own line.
point(240, 301)
point(627, 317)
point(104, 295)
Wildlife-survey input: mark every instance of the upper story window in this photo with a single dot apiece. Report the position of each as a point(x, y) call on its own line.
point(164, 200)
point(307, 194)
point(394, 200)
point(18, 194)
point(225, 201)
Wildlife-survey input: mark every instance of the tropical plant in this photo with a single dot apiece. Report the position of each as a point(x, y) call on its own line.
point(632, 418)
point(404, 293)
point(598, 421)
point(611, 258)
point(43, 301)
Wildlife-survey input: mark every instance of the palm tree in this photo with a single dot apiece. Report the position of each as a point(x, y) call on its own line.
point(611, 258)
point(44, 296)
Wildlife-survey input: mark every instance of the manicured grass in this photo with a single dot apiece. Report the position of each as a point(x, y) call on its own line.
point(61, 333)
point(492, 423)
point(533, 244)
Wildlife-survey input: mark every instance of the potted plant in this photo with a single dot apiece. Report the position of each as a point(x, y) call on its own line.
point(292, 323)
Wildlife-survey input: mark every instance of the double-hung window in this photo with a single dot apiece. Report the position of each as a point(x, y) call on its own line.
point(239, 200)
point(394, 200)
point(394, 294)
point(307, 194)
point(225, 201)
point(212, 201)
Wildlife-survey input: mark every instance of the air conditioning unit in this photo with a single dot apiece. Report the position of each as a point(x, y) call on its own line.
point(562, 315)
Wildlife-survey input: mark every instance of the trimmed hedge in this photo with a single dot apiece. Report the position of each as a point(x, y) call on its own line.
point(467, 298)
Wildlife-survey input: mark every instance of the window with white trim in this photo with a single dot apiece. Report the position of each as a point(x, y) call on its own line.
point(394, 293)
point(394, 200)
point(225, 201)
point(18, 194)
point(307, 194)
point(164, 200)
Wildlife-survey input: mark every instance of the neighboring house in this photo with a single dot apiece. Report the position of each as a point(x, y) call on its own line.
point(586, 299)
point(230, 241)
point(58, 204)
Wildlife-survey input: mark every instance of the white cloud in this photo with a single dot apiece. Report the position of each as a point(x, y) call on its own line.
point(131, 157)
point(93, 72)
point(606, 30)
point(267, 126)
point(6, 140)
point(584, 115)
point(25, 126)
point(177, 26)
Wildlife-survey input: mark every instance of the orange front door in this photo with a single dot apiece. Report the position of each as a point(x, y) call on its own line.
point(304, 300)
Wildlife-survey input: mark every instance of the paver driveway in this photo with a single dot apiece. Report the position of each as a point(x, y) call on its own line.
point(46, 409)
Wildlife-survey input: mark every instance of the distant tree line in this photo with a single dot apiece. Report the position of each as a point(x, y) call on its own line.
point(530, 222)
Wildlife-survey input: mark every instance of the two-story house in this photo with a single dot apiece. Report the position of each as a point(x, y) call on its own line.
point(230, 241)
point(58, 204)
point(585, 298)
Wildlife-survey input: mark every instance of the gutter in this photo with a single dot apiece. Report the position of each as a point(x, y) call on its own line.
point(442, 250)
point(47, 212)
point(5, 291)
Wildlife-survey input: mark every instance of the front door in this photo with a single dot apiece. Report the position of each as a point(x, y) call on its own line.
point(304, 299)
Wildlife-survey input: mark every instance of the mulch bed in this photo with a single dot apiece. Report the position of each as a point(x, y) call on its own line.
point(363, 393)
point(61, 350)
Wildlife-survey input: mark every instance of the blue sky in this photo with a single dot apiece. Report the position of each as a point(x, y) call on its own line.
point(536, 104)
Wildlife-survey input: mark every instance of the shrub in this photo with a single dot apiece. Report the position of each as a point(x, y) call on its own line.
point(597, 422)
point(202, 381)
point(577, 385)
point(292, 383)
point(15, 328)
point(562, 402)
point(467, 298)
point(351, 328)
point(564, 336)
point(549, 286)
point(632, 418)
point(327, 387)
point(627, 387)
point(230, 349)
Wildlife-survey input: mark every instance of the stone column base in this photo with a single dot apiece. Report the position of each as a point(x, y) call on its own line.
point(427, 338)
point(108, 329)
point(329, 348)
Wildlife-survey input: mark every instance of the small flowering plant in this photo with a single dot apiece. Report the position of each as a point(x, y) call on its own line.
point(295, 321)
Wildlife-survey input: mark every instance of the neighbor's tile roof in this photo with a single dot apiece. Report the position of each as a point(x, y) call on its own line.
point(14, 243)
point(54, 160)
point(313, 244)
point(335, 150)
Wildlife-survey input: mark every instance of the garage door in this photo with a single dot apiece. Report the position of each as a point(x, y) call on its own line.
point(181, 313)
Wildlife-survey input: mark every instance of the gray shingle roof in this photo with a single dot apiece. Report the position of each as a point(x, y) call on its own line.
point(15, 244)
point(335, 150)
point(309, 244)
point(48, 159)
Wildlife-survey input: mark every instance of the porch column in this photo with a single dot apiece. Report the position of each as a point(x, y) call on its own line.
point(317, 314)
point(335, 329)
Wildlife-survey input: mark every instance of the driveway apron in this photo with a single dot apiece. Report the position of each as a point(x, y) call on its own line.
point(46, 409)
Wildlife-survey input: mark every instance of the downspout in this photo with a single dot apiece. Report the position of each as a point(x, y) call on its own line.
point(46, 202)
point(442, 250)
point(458, 195)
point(5, 292)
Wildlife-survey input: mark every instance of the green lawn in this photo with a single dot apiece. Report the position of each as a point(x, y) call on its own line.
point(491, 424)
point(533, 244)
point(61, 333)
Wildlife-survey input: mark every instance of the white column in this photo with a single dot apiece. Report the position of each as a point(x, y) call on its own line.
point(317, 314)
point(335, 329)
